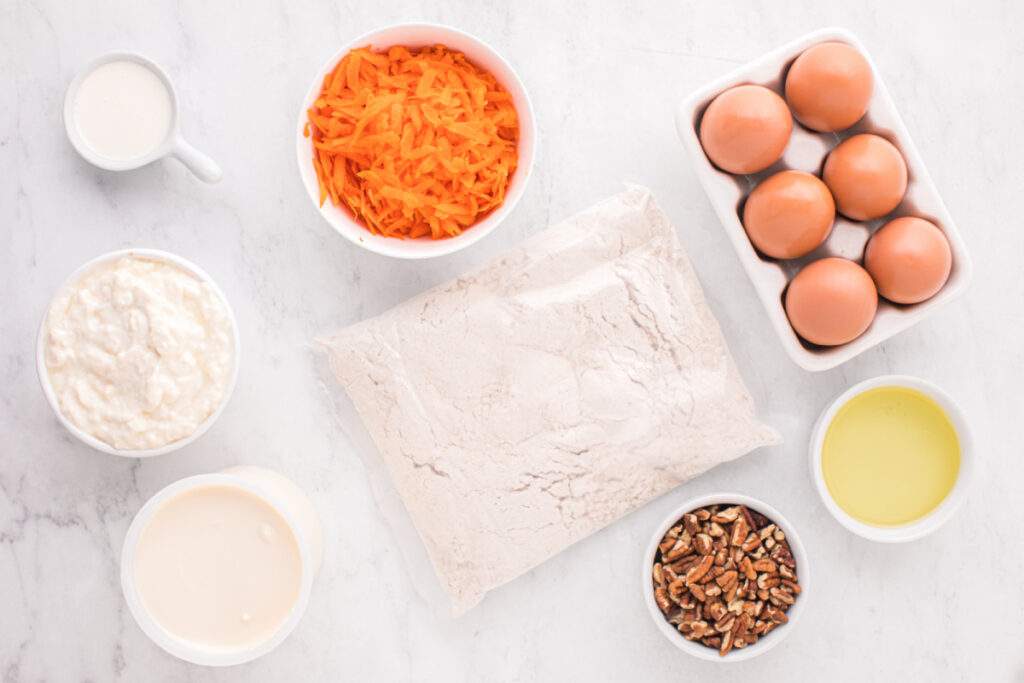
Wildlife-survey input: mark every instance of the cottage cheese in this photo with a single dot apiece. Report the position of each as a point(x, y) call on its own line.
point(139, 352)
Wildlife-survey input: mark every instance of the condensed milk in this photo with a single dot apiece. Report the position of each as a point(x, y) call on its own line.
point(123, 110)
point(217, 568)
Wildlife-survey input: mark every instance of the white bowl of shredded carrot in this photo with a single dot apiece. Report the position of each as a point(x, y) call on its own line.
point(416, 140)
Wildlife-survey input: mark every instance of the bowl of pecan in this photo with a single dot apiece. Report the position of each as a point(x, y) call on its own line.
point(725, 577)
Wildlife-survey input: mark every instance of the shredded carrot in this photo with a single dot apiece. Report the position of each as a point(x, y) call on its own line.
point(413, 142)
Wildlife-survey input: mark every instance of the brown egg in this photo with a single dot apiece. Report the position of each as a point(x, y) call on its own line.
point(829, 86)
point(745, 129)
point(909, 259)
point(789, 214)
point(831, 301)
point(867, 176)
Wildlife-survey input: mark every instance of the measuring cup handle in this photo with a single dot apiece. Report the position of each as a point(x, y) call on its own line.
point(202, 166)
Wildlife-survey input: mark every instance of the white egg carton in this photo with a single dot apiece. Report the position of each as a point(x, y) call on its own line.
point(806, 152)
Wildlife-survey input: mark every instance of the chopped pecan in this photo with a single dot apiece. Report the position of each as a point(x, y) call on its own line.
point(752, 543)
point(739, 531)
point(782, 555)
point(726, 644)
point(747, 567)
point(715, 609)
point(675, 589)
point(697, 630)
point(661, 598)
point(684, 563)
point(726, 580)
point(700, 569)
point(725, 623)
point(727, 515)
point(680, 549)
point(702, 544)
point(724, 576)
point(782, 595)
point(667, 544)
point(759, 519)
point(751, 522)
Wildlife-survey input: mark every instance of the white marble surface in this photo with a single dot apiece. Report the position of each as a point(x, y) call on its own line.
point(603, 78)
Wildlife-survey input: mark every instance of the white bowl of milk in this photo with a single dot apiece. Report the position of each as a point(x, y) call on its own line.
point(217, 568)
point(121, 113)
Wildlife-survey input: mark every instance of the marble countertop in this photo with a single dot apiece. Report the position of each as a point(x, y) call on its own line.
point(604, 78)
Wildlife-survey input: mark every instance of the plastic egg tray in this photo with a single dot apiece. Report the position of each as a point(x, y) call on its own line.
point(806, 151)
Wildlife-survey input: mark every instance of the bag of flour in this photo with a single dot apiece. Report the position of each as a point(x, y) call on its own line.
point(529, 403)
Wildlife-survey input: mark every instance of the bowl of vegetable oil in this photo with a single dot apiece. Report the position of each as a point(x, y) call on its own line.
point(892, 458)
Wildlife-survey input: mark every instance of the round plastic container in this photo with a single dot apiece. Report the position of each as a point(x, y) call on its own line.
point(287, 500)
point(937, 517)
point(44, 377)
point(765, 643)
point(481, 54)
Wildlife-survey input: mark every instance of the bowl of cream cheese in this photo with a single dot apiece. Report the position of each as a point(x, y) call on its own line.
point(137, 353)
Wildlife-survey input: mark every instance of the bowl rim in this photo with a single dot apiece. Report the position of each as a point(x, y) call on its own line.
point(949, 505)
point(181, 647)
point(476, 232)
point(44, 376)
point(762, 645)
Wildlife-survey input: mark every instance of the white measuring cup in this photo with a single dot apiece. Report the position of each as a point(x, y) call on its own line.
point(202, 166)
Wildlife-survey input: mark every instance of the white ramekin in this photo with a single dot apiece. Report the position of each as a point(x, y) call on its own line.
point(481, 54)
point(280, 493)
point(764, 644)
point(201, 166)
point(44, 377)
point(937, 517)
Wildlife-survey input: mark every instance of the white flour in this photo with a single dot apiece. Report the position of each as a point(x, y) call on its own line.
point(532, 402)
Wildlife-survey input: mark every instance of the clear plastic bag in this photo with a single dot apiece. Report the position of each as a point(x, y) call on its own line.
point(537, 399)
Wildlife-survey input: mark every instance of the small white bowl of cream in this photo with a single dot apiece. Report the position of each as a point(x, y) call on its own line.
point(892, 458)
point(121, 113)
point(138, 353)
point(217, 568)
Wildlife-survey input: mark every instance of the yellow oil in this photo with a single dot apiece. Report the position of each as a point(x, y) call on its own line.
point(890, 456)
